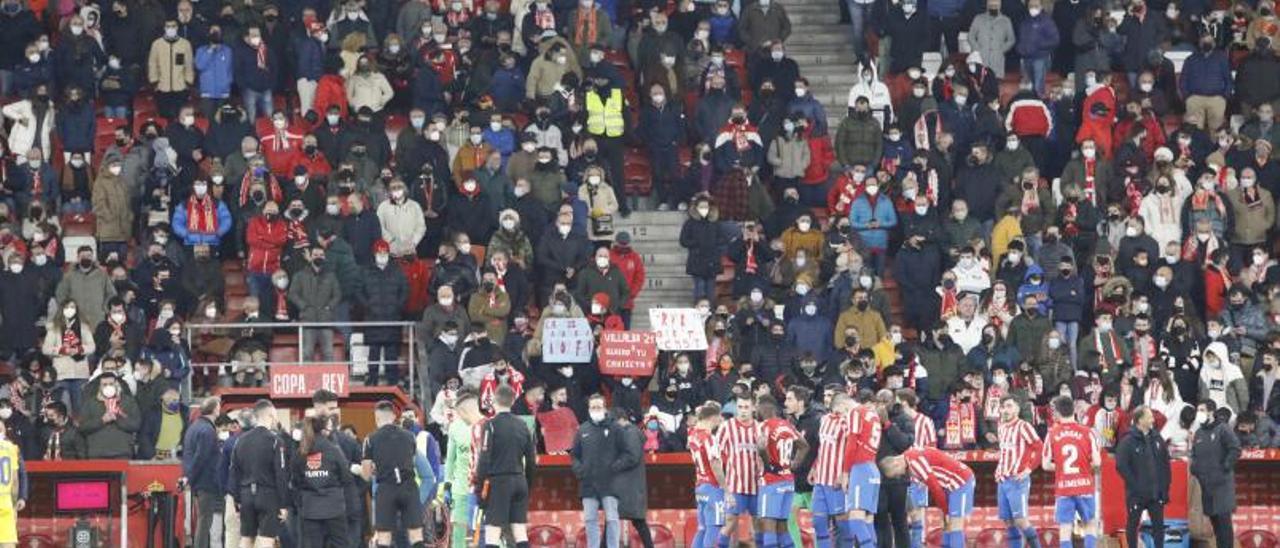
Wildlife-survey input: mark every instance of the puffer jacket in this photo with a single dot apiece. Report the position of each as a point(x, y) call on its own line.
point(858, 141)
point(789, 157)
point(704, 242)
point(403, 226)
point(369, 89)
point(512, 242)
point(315, 294)
point(110, 440)
point(111, 205)
point(170, 65)
point(266, 240)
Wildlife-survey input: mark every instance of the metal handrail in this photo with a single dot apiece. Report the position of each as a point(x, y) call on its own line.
point(193, 329)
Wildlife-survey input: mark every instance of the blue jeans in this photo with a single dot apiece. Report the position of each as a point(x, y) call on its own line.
point(591, 521)
point(260, 286)
point(73, 388)
point(1069, 332)
point(256, 102)
point(1034, 70)
point(859, 15)
point(704, 288)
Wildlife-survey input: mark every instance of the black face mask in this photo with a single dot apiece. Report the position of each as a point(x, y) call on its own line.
point(862, 305)
point(850, 341)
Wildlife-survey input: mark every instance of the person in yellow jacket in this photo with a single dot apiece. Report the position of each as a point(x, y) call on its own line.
point(607, 124)
point(861, 316)
point(1008, 229)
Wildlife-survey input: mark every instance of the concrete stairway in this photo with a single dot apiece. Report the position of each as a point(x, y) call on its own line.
point(824, 50)
point(655, 235)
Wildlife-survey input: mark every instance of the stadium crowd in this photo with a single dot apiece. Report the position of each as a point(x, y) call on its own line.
point(1053, 211)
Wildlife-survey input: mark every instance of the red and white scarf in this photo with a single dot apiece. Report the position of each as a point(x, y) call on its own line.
point(202, 215)
point(961, 429)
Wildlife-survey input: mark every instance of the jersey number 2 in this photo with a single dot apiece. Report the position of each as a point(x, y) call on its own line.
point(1069, 457)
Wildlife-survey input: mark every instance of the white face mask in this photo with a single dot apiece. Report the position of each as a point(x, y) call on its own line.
point(282, 283)
point(529, 147)
point(332, 119)
point(296, 434)
point(811, 309)
point(1202, 417)
point(40, 260)
point(77, 30)
point(382, 260)
point(446, 301)
point(563, 229)
point(68, 313)
point(922, 209)
point(201, 190)
point(801, 289)
point(597, 416)
point(469, 186)
point(16, 268)
point(593, 180)
point(449, 338)
point(602, 262)
point(757, 297)
point(872, 190)
point(109, 391)
point(115, 170)
point(803, 226)
point(1089, 153)
point(1035, 12)
point(224, 435)
point(596, 309)
point(475, 139)
point(1131, 231)
point(509, 224)
point(211, 313)
point(1160, 281)
point(896, 337)
point(1055, 343)
point(1011, 144)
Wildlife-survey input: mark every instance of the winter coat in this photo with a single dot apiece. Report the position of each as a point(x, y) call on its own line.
point(905, 51)
point(22, 135)
point(1069, 298)
point(1252, 220)
point(403, 226)
point(1027, 332)
point(1143, 463)
point(1037, 37)
point(214, 64)
point(1214, 453)
point(863, 212)
point(171, 65)
point(183, 232)
point(315, 294)
point(858, 141)
point(368, 90)
point(992, 36)
point(631, 265)
point(111, 204)
point(555, 253)
point(109, 440)
point(492, 312)
point(789, 157)
point(705, 242)
point(90, 290)
point(594, 457)
point(1225, 386)
point(1140, 37)
point(383, 294)
point(1208, 75)
point(245, 70)
point(1256, 79)
point(758, 25)
point(20, 307)
point(589, 281)
point(627, 481)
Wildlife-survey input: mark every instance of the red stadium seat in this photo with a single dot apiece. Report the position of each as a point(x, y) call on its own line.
point(1258, 538)
point(1048, 535)
point(662, 536)
point(991, 538)
point(934, 538)
point(580, 539)
point(36, 541)
point(547, 536)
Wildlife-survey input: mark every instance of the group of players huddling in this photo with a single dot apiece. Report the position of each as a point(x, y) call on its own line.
point(744, 466)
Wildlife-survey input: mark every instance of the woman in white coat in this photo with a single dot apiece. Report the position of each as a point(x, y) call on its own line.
point(33, 123)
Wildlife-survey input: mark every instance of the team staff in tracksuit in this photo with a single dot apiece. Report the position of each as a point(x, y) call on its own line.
point(259, 478)
point(321, 477)
point(389, 462)
point(506, 461)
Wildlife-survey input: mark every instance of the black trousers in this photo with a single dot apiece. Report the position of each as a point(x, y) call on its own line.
point(1155, 510)
point(612, 152)
point(891, 517)
point(1223, 531)
point(325, 533)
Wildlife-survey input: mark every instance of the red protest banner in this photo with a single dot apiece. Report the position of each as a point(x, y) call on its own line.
point(628, 353)
point(300, 381)
point(558, 429)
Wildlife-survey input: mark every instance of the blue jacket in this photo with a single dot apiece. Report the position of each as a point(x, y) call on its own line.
point(661, 128)
point(812, 110)
point(1042, 289)
point(213, 67)
point(902, 152)
point(1037, 37)
point(224, 462)
point(191, 239)
point(246, 72)
point(200, 456)
point(428, 92)
point(944, 8)
point(27, 76)
point(1206, 75)
point(724, 30)
point(862, 212)
point(811, 333)
point(1068, 298)
point(503, 140)
point(22, 180)
point(310, 58)
point(507, 86)
point(77, 127)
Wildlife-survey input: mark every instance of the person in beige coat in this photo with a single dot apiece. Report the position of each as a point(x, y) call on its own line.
point(601, 201)
point(69, 342)
point(171, 70)
point(111, 203)
point(368, 87)
point(556, 58)
point(789, 155)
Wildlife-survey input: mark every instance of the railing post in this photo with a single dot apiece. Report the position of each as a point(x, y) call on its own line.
point(301, 352)
point(185, 393)
point(413, 360)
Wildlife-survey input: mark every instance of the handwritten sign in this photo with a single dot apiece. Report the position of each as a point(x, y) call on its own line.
point(558, 429)
point(566, 340)
point(628, 353)
point(300, 381)
point(678, 328)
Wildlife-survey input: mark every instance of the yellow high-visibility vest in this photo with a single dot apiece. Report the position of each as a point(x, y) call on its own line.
point(605, 118)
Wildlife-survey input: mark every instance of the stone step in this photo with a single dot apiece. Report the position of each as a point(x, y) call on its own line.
point(657, 233)
point(661, 258)
point(798, 18)
point(652, 217)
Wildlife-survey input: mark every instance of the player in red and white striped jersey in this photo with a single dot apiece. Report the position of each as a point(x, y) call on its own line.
point(829, 474)
point(1071, 452)
point(861, 445)
point(706, 463)
point(739, 440)
point(950, 483)
point(925, 435)
point(1019, 456)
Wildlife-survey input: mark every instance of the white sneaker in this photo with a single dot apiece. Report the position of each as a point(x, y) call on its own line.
point(683, 206)
point(664, 207)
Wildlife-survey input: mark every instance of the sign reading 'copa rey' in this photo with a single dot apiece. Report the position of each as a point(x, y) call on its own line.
point(300, 381)
point(679, 328)
point(628, 353)
point(566, 340)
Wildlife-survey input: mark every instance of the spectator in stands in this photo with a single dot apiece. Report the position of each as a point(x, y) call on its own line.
point(20, 307)
point(202, 218)
point(109, 419)
point(88, 286)
point(762, 25)
point(254, 71)
point(1206, 83)
point(59, 438)
point(991, 35)
point(858, 139)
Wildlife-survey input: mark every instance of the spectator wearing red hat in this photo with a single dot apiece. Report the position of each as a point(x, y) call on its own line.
point(382, 297)
point(601, 315)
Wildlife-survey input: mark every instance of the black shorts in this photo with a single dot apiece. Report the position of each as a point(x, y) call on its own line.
point(396, 506)
point(508, 501)
point(259, 514)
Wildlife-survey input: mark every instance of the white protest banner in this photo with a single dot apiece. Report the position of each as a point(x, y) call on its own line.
point(566, 340)
point(678, 328)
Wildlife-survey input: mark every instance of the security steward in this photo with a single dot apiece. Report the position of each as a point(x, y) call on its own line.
point(324, 404)
point(321, 477)
point(259, 477)
point(504, 470)
point(388, 462)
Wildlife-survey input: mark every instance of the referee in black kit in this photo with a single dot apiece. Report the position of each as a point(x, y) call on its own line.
point(259, 473)
point(388, 462)
point(504, 470)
